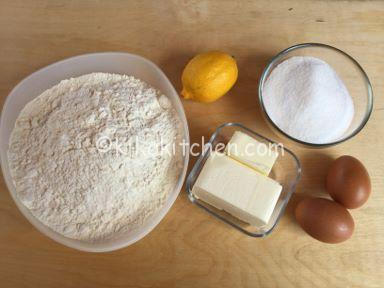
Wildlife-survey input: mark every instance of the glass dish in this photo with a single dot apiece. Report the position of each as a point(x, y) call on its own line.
point(39, 81)
point(286, 171)
point(349, 70)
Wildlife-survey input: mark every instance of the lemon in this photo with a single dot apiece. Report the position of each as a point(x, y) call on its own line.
point(208, 76)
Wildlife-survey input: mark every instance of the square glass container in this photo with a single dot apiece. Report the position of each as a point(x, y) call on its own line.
point(285, 171)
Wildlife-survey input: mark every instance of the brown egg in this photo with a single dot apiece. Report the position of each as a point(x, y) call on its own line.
point(325, 220)
point(348, 182)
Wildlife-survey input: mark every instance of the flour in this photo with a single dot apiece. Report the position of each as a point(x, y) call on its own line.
point(94, 156)
point(306, 99)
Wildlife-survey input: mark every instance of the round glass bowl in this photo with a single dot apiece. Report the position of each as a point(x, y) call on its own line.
point(349, 70)
point(109, 62)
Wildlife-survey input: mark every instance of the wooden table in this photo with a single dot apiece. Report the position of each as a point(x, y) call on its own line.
point(190, 248)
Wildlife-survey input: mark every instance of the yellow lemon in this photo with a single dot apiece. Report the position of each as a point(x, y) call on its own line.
point(208, 76)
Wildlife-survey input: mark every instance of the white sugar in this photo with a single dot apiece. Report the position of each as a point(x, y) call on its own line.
point(307, 100)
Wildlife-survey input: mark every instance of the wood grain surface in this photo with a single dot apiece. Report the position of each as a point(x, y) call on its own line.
point(189, 248)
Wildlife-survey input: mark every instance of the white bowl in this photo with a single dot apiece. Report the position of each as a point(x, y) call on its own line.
point(39, 81)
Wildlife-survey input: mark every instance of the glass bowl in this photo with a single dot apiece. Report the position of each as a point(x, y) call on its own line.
point(286, 171)
point(39, 81)
point(349, 70)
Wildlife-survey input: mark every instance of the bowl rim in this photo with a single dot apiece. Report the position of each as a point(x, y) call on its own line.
point(199, 163)
point(284, 52)
point(154, 220)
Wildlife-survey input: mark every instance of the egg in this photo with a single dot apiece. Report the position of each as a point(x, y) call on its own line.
point(324, 220)
point(348, 182)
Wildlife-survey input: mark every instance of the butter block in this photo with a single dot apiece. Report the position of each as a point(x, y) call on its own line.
point(239, 190)
point(251, 152)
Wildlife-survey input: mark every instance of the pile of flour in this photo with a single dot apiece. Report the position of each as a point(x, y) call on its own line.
point(95, 156)
point(306, 99)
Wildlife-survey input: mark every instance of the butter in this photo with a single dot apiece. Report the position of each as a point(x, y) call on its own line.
point(231, 186)
point(251, 152)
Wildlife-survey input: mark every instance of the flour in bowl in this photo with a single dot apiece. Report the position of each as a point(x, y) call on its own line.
point(96, 155)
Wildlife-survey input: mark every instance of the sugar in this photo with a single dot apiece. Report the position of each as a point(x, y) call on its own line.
point(307, 100)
